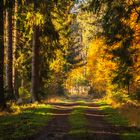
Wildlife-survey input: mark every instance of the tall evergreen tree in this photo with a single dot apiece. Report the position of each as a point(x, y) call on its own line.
point(2, 100)
point(9, 52)
point(35, 60)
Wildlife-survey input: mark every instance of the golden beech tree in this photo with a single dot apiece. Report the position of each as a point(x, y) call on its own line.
point(100, 66)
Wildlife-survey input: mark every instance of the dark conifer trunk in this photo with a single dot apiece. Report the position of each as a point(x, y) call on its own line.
point(35, 61)
point(9, 52)
point(2, 100)
point(35, 64)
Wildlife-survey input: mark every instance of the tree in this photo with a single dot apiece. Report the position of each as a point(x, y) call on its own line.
point(9, 52)
point(35, 60)
point(15, 51)
point(2, 100)
point(120, 29)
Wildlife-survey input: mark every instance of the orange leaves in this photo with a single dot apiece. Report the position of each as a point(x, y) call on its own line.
point(133, 23)
point(99, 64)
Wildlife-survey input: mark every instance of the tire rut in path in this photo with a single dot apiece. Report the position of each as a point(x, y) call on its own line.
point(99, 128)
point(58, 127)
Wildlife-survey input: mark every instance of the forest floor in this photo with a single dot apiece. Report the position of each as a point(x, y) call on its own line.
point(67, 120)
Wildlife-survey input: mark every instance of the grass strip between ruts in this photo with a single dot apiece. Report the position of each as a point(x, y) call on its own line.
point(78, 123)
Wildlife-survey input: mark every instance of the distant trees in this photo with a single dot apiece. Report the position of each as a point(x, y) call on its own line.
point(120, 31)
point(111, 34)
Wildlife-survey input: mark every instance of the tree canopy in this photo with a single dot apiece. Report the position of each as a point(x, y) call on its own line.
point(65, 44)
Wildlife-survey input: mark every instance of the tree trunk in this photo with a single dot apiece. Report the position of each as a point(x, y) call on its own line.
point(2, 100)
point(35, 60)
point(9, 52)
point(15, 74)
point(35, 65)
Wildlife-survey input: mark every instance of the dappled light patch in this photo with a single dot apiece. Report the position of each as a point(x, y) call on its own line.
point(131, 136)
point(25, 123)
point(114, 116)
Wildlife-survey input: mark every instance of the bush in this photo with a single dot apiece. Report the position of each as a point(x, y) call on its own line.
point(24, 93)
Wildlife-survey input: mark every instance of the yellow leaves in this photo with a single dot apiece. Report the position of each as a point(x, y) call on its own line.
point(137, 79)
point(75, 77)
point(39, 19)
point(76, 72)
point(95, 48)
point(58, 63)
point(35, 19)
point(136, 43)
point(100, 64)
point(132, 22)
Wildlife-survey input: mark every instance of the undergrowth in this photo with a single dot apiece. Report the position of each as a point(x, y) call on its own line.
point(24, 121)
point(116, 118)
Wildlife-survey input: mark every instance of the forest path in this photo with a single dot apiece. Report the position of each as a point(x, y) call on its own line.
point(97, 128)
point(59, 126)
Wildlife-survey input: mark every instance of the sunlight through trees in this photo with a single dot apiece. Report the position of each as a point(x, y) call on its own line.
point(86, 46)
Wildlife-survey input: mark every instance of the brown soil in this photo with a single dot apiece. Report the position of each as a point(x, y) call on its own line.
point(98, 127)
point(58, 127)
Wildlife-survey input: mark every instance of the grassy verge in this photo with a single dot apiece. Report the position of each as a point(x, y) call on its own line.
point(25, 122)
point(78, 122)
point(131, 136)
point(116, 118)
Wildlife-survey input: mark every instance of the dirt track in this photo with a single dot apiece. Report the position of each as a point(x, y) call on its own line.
point(97, 127)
